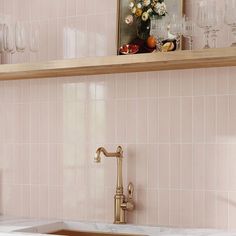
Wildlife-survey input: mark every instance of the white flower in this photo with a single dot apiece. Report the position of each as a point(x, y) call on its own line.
point(133, 10)
point(139, 5)
point(149, 10)
point(131, 5)
point(129, 20)
point(145, 16)
point(160, 8)
point(146, 2)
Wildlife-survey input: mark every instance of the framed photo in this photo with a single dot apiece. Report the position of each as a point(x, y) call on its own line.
point(134, 22)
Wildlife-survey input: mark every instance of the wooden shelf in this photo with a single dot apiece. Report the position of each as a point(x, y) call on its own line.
point(220, 57)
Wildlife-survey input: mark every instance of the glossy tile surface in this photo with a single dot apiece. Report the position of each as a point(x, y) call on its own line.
point(177, 129)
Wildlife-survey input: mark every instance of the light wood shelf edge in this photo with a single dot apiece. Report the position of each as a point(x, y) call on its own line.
point(220, 57)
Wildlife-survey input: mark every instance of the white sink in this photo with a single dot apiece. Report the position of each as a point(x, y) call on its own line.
point(81, 229)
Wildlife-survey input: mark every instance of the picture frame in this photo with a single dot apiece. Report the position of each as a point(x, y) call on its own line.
point(127, 34)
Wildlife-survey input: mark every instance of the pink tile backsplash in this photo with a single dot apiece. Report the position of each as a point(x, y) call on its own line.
point(177, 129)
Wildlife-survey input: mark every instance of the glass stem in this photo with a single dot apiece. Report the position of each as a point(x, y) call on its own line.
point(207, 32)
point(190, 42)
point(214, 38)
point(178, 37)
point(234, 35)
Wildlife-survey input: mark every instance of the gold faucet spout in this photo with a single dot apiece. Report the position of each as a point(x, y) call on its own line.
point(100, 150)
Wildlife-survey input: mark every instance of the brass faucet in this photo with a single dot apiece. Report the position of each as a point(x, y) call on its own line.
point(121, 202)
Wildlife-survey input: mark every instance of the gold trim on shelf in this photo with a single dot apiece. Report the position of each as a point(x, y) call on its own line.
point(220, 57)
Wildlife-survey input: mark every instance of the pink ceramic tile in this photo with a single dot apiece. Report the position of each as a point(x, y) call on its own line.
point(232, 117)
point(211, 166)
point(152, 207)
point(175, 166)
point(164, 166)
point(222, 80)
point(210, 82)
point(152, 124)
point(222, 119)
point(152, 80)
point(199, 209)
point(186, 120)
point(198, 120)
point(199, 167)
point(232, 82)
point(175, 210)
point(131, 121)
point(132, 85)
point(211, 209)
point(186, 212)
point(163, 120)
point(52, 39)
point(175, 120)
point(120, 123)
point(198, 82)
point(131, 163)
point(175, 83)
point(142, 123)
point(187, 166)
point(223, 167)
point(152, 166)
point(34, 201)
point(142, 85)
point(232, 212)
point(187, 82)
point(163, 206)
point(142, 206)
point(210, 122)
point(222, 210)
point(141, 165)
point(120, 83)
point(164, 84)
point(232, 173)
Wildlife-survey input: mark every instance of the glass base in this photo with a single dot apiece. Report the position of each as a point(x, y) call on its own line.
point(206, 47)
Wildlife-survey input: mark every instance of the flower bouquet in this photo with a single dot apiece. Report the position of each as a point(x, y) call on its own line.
point(142, 11)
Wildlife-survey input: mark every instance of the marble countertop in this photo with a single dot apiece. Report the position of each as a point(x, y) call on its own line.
point(12, 226)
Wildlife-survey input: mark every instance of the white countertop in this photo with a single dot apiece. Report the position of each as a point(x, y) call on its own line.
point(13, 226)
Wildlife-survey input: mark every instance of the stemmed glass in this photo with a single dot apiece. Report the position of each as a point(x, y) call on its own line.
point(1, 39)
point(189, 31)
point(203, 21)
point(176, 28)
point(8, 38)
point(230, 17)
point(216, 17)
point(34, 36)
point(20, 35)
point(161, 33)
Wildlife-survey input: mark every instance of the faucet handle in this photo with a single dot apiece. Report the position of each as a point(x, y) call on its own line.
point(130, 190)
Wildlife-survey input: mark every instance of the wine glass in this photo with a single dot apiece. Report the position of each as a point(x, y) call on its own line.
point(20, 35)
point(176, 28)
point(230, 17)
point(203, 21)
point(34, 36)
point(161, 33)
point(216, 17)
point(1, 39)
point(189, 28)
point(8, 38)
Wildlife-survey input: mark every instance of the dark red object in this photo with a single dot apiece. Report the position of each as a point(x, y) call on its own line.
point(127, 49)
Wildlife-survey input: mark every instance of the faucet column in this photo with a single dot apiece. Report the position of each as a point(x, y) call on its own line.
point(119, 198)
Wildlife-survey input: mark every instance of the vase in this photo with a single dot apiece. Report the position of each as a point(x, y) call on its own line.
point(143, 29)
